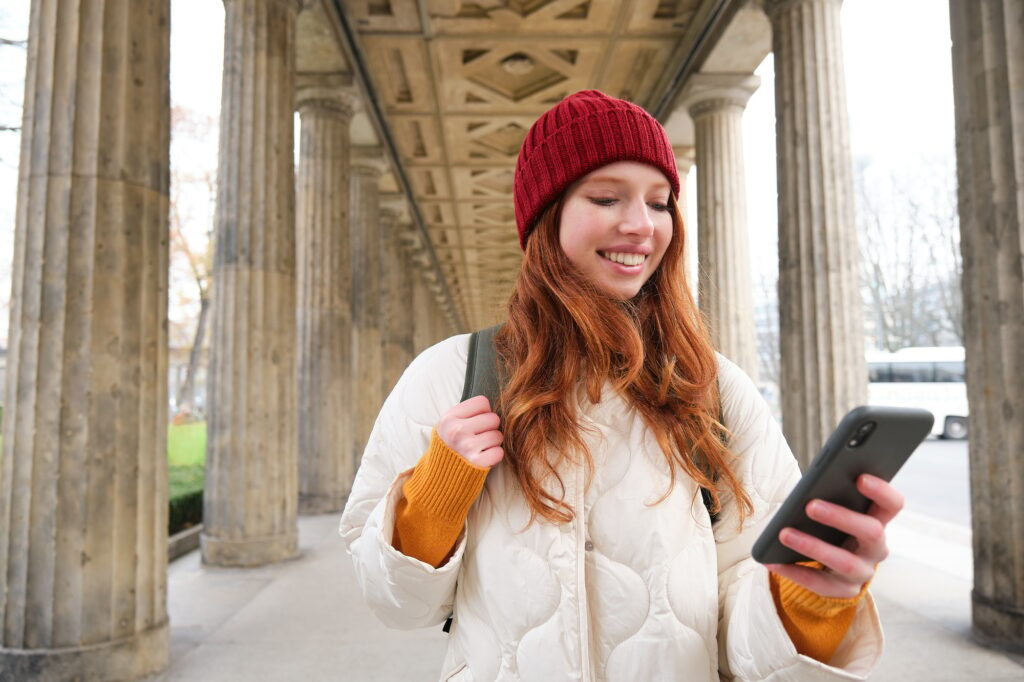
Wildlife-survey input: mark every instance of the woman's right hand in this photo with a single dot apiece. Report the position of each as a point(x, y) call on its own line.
point(471, 429)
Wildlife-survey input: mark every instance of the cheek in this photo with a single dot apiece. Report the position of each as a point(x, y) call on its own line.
point(663, 235)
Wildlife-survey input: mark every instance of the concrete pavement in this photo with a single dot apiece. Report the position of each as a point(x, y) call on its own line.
point(305, 620)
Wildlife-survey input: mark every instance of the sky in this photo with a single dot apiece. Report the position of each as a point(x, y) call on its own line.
point(899, 97)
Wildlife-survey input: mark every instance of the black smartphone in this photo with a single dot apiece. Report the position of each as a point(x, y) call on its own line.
point(869, 440)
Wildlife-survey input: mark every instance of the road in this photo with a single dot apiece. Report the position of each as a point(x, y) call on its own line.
point(936, 482)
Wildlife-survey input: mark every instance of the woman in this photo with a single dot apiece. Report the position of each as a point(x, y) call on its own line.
point(569, 538)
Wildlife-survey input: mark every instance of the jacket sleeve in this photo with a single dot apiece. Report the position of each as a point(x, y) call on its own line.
point(753, 644)
point(404, 592)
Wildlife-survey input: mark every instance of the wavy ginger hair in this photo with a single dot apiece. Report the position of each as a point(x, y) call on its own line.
point(562, 333)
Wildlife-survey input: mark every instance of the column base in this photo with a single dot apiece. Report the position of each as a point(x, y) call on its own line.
point(997, 625)
point(132, 658)
point(319, 503)
point(250, 552)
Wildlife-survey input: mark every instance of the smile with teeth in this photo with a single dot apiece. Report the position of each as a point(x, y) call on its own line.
point(624, 258)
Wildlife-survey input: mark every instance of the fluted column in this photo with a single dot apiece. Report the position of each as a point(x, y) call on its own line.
point(83, 485)
point(396, 297)
point(367, 356)
point(988, 72)
point(821, 326)
point(324, 265)
point(250, 505)
point(423, 336)
point(716, 103)
point(685, 158)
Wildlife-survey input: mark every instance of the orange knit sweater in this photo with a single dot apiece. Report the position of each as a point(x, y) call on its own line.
point(443, 487)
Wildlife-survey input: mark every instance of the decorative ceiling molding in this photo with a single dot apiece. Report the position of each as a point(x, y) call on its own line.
point(459, 83)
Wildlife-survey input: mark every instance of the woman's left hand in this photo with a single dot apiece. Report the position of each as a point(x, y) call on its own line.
point(848, 568)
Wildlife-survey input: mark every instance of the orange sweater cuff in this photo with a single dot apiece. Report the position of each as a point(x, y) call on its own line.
point(815, 624)
point(438, 495)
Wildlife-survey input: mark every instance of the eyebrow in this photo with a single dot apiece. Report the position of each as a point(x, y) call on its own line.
point(619, 181)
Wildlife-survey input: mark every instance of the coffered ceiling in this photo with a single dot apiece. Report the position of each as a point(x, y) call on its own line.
point(457, 84)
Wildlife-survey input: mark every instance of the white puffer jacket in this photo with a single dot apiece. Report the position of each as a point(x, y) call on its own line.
point(629, 591)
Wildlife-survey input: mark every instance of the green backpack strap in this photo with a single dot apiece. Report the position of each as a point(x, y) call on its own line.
point(482, 366)
point(481, 379)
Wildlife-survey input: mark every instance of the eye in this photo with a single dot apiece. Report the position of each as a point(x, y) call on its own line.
point(602, 201)
point(658, 206)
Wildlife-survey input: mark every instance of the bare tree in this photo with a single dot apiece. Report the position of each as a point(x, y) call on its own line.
point(909, 258)
point(192, 185)
point(767, 325)
point(934, 206)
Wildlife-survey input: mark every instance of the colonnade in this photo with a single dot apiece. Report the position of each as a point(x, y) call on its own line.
point(322, 298)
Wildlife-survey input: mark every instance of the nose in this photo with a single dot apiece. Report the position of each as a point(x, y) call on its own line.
point(637, 219)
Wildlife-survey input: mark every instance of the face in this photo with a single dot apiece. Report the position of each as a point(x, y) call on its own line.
point(615, 225)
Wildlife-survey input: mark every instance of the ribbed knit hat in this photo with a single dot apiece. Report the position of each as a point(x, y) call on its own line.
point(580, 134)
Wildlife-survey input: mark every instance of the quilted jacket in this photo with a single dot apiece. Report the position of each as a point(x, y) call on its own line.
point(628, 591)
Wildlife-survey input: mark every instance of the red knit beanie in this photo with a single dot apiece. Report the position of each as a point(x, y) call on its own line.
point(580, 134)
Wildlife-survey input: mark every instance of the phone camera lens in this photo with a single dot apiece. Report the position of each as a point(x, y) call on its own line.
point(861, 435)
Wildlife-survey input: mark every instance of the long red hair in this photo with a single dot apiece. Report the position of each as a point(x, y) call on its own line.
point(562, 333)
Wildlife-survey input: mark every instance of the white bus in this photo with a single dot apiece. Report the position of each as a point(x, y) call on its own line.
point(932, 378)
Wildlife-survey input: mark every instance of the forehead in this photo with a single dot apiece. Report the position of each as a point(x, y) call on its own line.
point(632, 173)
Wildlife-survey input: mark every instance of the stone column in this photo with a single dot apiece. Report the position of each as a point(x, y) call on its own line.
point(821, 323)
point(324, 265)
point(367, 357)
point(83, 484)
point(250, 505)
point(396, 297)
point(422, 297)
point(988, 72)
point(716, 103)
point(685, 158)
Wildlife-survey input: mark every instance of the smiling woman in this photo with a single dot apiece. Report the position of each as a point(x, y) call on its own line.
point(623, 463)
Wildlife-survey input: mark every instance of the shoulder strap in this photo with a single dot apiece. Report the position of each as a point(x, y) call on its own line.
point(704, 492)
point(482, 366)
point(481, 379)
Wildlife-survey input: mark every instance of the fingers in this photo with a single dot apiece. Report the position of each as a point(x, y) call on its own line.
point(867, 530)
point(489, 457)
point(887, 500)
point(473, 430)
point(848, 571)
point(470, 408)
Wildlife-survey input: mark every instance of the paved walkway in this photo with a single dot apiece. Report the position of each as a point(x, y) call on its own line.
point(304, 619)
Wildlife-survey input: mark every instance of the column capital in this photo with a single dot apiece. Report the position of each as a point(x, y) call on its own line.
point(708, 92)
point(774, 8)
point(368, 161)
point(326, 91)
point(686, 156)
point(394, 207)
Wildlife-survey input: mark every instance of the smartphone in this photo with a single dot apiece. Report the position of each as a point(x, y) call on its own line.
point(869, 440)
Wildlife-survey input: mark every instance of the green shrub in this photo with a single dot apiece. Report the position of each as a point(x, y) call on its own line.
point(185, 511)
